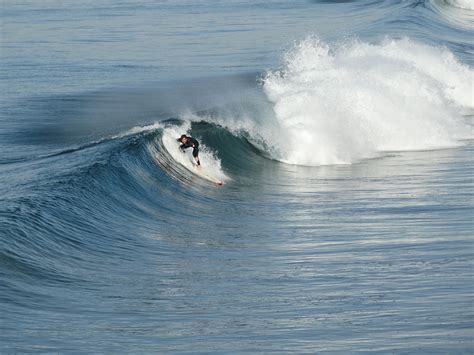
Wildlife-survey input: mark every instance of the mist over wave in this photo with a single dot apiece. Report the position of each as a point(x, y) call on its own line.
point(342, 102)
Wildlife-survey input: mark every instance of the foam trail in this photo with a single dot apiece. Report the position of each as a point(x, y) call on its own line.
point(337, 104)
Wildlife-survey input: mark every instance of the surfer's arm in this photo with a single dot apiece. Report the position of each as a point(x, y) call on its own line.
point(186, 145)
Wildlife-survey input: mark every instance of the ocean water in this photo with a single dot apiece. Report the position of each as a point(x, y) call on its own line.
point(343, 133)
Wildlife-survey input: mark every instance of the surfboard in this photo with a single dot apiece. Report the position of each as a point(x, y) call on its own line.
point(198, 171)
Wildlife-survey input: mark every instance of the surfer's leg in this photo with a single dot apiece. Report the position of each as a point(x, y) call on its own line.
point(196, 155)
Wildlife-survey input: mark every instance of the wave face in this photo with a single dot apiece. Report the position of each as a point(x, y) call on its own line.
point(344, 223)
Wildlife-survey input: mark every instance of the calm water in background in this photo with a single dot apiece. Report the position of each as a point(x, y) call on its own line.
point(108, 244)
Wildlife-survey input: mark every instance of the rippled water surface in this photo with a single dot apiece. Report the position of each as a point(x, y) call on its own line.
point(342, 131)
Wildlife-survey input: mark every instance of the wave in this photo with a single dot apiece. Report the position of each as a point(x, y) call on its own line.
point(340, 103)
point(328, 104)
point(146, 150)
point(335, 103)
point(343, 102)
point(132, 181)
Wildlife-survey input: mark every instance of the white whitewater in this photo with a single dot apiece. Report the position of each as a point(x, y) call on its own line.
point(340, 103)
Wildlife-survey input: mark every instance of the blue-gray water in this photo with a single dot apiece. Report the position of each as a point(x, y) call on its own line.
point(342, 131)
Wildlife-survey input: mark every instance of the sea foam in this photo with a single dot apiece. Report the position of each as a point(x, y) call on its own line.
point(462, 4)
point(340, 103)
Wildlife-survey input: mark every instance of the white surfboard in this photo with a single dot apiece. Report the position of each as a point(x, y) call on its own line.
point(201, 173)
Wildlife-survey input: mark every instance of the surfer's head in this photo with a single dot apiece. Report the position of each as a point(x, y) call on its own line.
point(182, 139)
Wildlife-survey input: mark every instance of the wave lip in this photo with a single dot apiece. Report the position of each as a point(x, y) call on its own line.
point(337, 104)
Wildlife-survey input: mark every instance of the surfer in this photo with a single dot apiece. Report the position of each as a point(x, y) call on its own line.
point(190, 142)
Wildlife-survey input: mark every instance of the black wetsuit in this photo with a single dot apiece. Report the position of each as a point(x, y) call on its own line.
point(191, 143)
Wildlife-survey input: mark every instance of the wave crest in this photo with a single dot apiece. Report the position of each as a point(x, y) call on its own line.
point(337, 104)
